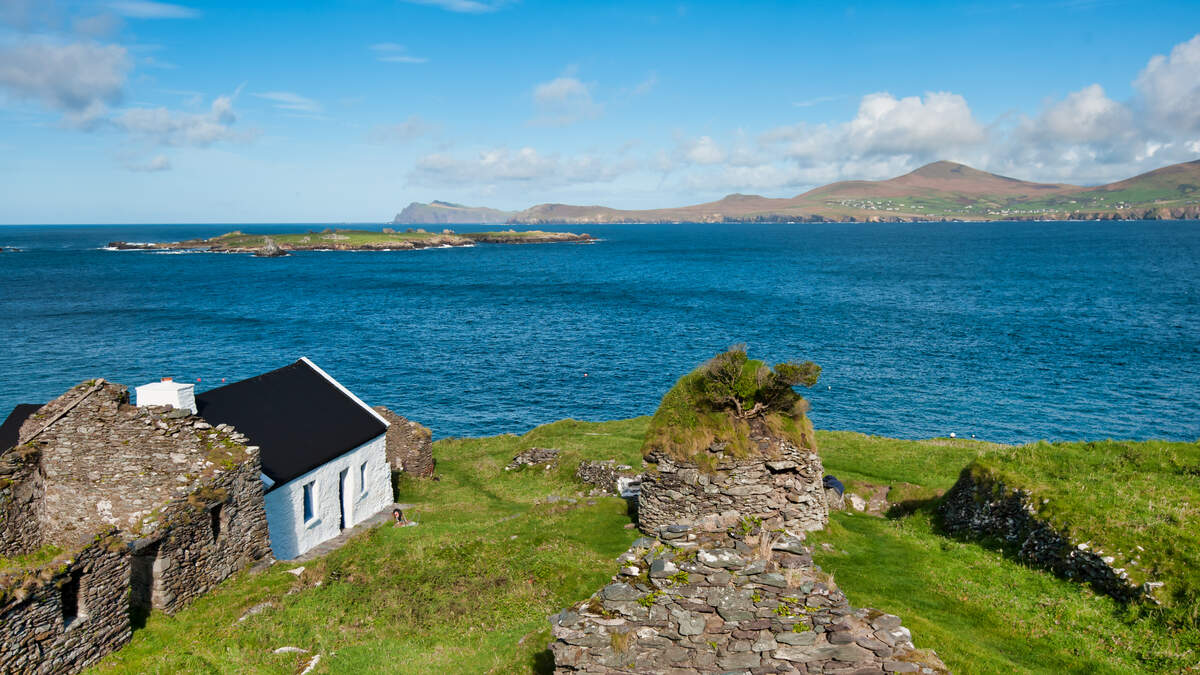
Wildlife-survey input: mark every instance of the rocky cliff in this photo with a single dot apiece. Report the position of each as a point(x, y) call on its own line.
point(446, 213)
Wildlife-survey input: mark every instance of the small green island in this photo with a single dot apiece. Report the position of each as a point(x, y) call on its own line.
point(388, 239)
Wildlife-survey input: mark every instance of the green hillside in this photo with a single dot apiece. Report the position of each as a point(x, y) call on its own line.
point(469, 589)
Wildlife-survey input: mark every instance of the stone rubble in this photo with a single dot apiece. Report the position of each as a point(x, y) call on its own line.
point(979, 506)
point(533, 457)
point(686, 601)
point(611, 478)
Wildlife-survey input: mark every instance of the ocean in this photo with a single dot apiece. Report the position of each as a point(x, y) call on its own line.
point(1009, 332)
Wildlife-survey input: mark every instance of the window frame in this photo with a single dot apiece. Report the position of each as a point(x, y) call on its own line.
point(308, 502)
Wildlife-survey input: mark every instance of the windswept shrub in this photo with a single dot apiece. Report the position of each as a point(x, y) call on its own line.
point(724, 400)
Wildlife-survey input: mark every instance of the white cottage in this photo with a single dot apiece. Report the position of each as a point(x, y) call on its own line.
point(324, 459)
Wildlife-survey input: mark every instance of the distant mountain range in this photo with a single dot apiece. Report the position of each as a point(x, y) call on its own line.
point(937, 191)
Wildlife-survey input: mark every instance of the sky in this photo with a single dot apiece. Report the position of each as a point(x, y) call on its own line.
point(133, 111)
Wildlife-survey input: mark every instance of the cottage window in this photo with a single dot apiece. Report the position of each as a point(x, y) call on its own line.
point(362, 478)
point(310, 506)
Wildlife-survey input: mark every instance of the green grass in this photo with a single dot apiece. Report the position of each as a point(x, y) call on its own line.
point(1138, 502)
point(466, 591)
point(340, 237)
point(469, 590)
point(986, 613)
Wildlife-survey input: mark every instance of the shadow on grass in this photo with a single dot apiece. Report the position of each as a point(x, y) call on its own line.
point(542, 663)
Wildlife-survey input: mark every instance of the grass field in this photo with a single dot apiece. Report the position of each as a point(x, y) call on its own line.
point(469, 589)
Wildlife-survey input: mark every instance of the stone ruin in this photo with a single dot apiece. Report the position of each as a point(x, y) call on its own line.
point(409, 444)
point(135, 508)
point(746, 601)
point(533, 457)
point(723, 582)
point(779, 485)
point(979, 506)
point(610, 477)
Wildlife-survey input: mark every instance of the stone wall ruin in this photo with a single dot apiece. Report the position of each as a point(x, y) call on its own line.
point(69, 614)
point(409, 444)
point(150, 507)
point(978, 506)
point(781, 488)
point(694, 602)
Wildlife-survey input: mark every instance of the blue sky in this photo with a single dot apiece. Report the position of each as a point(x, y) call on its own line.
point(138, 111)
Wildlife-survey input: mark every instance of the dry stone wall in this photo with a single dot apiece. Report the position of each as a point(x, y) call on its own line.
point(22, 488)
point(695, 602)
point(153, 506)
point(782, 488)
point(607, 475)
point(409, 444)
point(978, 506)
point(217, 531)
point(69, 615)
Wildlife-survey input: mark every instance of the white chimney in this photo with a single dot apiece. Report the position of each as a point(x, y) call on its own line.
point(168, 392)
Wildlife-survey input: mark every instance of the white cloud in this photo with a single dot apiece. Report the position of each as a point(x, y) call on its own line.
point(464, 6)
point(524, 166)
point(563, 101)
point(646, 85)
point(165, 127)
point(1084, 116)
point(887, 125)
point(410, 129)
point(145, 9)
point(289, 101)
point(703, 150)
point(390, 52)
point(73, 78)
point(153, 165)
point(1170, 88)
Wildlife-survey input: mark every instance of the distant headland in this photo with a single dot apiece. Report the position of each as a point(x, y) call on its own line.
point(274, 245)
point(941, 191)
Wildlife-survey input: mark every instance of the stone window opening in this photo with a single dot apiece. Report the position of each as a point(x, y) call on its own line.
point(362, 479)
point(73, 607)
point(309, 498)
point(217, 520)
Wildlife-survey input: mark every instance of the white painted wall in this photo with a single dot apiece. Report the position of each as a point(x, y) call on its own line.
point(291, 536)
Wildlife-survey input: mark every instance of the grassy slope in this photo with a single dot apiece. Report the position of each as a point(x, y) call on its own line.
point(1146, 518)
point(458, 594)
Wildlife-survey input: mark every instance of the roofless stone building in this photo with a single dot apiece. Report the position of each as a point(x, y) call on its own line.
point(724, 583)
point(110, 510)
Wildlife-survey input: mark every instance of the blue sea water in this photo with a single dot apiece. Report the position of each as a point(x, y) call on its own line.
point(1007, 331)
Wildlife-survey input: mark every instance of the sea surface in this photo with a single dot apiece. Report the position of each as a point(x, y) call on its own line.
point(1009, 332)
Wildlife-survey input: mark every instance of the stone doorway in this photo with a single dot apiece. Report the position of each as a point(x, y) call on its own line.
point(144, 571)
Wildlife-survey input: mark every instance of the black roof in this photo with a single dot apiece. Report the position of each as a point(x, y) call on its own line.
point(299, 418)
point(12, 425)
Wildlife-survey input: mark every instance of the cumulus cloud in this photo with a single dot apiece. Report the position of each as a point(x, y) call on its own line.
point(703, 150)
point(390, 52)
point(145, 9)
point(563, 101)
point(889, 126)
point(412, 128)
point(78, 79)
point(1170, 88)
point(165, 127)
